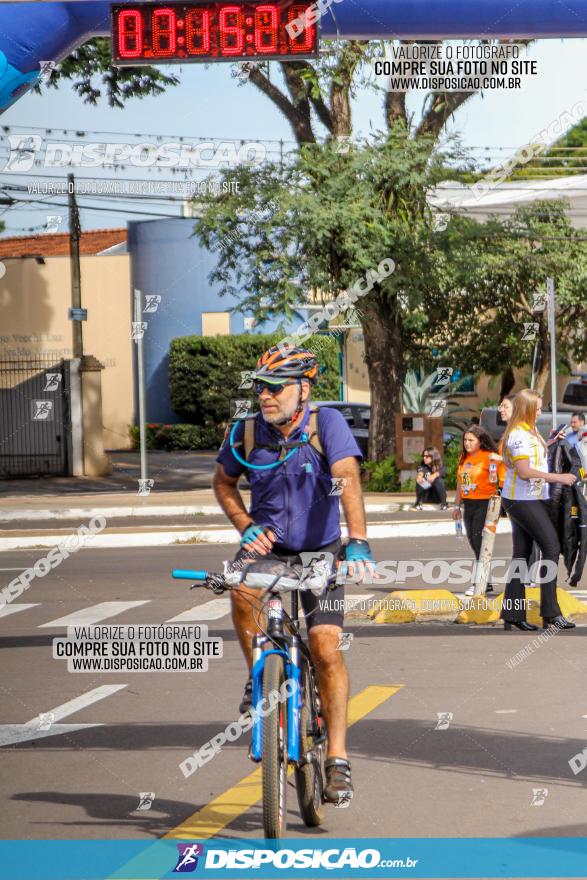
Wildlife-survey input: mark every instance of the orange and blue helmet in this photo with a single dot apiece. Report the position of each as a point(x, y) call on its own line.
point(280, 364)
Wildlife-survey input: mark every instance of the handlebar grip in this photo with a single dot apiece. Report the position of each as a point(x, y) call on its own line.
point(186, 574)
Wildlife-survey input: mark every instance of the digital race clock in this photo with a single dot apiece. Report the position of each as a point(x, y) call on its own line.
point(150, 33)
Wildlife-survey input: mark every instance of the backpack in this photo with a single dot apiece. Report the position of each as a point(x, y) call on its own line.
point(249, 438)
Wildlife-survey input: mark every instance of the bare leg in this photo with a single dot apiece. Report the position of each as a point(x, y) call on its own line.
point(333, 685)
point(243, 601)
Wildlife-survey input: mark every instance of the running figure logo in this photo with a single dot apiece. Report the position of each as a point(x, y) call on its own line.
point(187, 860)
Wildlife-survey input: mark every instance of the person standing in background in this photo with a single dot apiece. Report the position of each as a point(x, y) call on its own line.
point(478, 478)
point(524, 497)
point(577, 428)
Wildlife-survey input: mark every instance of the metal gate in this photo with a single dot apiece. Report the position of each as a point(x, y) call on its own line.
point(33, 418)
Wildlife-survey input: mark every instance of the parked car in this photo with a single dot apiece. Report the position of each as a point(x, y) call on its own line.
point(357, 416)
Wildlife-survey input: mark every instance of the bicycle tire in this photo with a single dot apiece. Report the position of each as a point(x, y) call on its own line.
point(310, 777)
point(274, 754)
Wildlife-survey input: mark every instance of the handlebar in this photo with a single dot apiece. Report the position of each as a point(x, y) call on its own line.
point(219, 582)
point(187, 575)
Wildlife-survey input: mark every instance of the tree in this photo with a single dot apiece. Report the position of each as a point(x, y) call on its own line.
point(320, 94)
point(479, 317)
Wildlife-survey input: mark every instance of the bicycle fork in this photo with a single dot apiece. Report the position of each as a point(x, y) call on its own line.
point(293, 696)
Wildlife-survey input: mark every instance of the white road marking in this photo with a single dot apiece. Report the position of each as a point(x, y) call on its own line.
point(15, 733)
point(212, 610)
point(12, 609)
point(94, 614)
point(10, 569)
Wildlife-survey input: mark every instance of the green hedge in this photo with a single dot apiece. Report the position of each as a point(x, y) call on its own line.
point(179, 437)
point(205, 373)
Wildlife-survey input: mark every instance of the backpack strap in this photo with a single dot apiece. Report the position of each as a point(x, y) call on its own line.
point(313, 432)
point(249, 436)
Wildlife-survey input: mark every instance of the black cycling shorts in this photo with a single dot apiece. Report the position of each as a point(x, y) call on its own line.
point(318, 610)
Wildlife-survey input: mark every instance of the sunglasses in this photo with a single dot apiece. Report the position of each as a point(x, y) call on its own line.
point(274, 388)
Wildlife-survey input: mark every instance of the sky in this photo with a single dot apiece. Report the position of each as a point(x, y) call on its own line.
point(209, 104)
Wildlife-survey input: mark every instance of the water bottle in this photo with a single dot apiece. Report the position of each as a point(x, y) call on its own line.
point(458, 528)
point(492, 472)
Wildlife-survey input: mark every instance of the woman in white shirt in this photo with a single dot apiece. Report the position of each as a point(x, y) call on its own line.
point(524, 496)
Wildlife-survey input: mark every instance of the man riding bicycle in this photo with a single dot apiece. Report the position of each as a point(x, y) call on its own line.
point(293, 511)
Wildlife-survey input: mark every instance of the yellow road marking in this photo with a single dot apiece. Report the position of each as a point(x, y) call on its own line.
point(220, 812)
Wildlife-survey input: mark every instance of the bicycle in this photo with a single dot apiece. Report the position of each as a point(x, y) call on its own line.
point(290, 731)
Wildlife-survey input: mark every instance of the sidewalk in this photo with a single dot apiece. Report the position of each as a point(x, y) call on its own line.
point(180, 507)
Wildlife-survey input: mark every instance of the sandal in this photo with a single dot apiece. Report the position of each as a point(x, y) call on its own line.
point(339, 786)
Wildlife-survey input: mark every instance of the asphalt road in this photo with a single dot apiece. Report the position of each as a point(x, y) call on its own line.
point(510, 738)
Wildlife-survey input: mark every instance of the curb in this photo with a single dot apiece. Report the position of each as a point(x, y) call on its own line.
point(106, 540)
point(34, 514)
point(442, 606)
point(223, 536)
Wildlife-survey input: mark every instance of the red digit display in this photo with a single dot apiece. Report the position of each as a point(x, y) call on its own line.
point(198, 32)
point(266, 21)
point(145, 33)
point(164, 27)
point(232, 36)
point(130, 33)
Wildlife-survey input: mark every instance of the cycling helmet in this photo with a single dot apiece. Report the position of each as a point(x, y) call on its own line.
point(278, 365)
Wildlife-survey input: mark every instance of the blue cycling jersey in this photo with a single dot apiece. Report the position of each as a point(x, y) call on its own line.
point(294, 499)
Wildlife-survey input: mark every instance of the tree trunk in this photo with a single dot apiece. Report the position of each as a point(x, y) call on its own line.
point(508, 380)
point(384, 359)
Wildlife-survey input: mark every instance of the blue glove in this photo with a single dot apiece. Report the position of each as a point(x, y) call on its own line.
point(358, 550)
point(250, 534)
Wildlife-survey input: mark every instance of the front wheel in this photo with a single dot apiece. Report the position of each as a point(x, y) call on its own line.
point(310, 775)
point(274, 756)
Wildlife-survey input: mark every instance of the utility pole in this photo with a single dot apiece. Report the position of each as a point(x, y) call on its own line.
point(76, 287)
point(551, 306)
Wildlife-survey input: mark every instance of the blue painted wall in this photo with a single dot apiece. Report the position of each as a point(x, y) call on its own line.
point(166, 260)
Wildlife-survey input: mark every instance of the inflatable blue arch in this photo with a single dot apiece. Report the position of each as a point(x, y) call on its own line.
point(33, 33)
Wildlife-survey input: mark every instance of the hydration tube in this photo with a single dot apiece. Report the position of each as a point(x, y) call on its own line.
point(262, 467)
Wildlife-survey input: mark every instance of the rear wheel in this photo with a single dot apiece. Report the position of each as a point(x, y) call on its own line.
point(310, 775)
point(274, 755)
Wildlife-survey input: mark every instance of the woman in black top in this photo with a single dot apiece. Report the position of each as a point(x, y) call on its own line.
point(430, 488)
